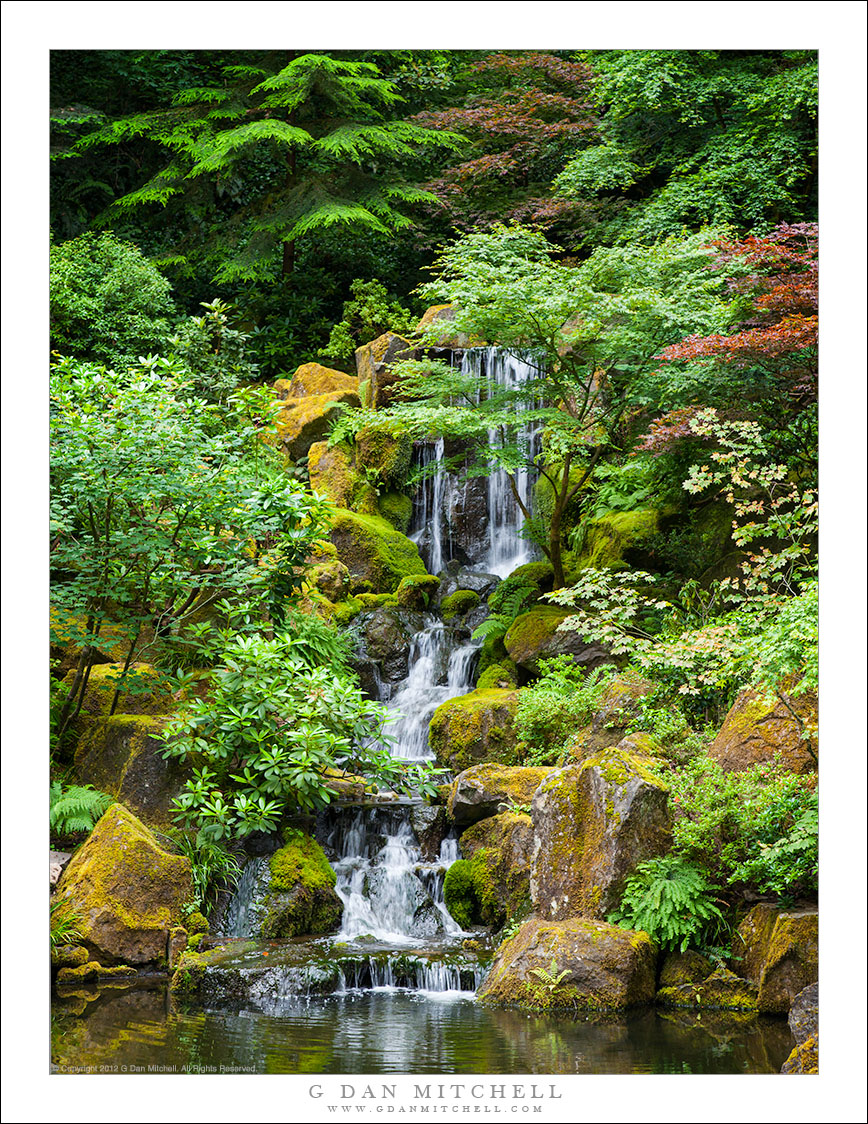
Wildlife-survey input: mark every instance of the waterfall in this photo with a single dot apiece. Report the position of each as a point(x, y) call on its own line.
point(242, 913)
point(440, 669)
point(478, 521)
point(389, 894)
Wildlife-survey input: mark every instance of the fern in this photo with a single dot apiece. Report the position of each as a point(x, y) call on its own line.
point(506, 605)
point(671, 901)
point(76, 808)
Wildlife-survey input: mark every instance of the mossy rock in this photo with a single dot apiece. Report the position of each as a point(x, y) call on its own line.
point(576, 964)
point(778, 951)
point(499, 851)
point(721, 991)
point(144, 690)
point(486, 790)
point(474, 728)
point(387, 454)
point(417, 592)
point(459, 603)
point(686, 967)
point(373, 365)
point(610, 540)
point(595, 823)
point(534, 636)
point(301, 897)
point(757, 728)
point(333, 473)
point(396, 508)
point(540, 574)
point(378, 600)
point(123, 755)
point(67, 631)
point(437, 326)
point(377, 556)
point(331, 579)
point(126, 891)
point(502, 676)
point(347, 610)
point(805, 1058)
point(311, 379)
point(620, 708)
point(311, 402)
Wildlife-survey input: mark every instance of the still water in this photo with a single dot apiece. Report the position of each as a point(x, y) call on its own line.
point(396, 1031)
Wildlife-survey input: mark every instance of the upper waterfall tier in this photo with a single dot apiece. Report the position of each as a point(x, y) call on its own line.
point(478, 521)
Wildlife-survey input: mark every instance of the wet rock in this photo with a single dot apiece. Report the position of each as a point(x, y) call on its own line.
point(594, 824)
point(376, 555)
point(685, 968)
point(756, 729)
point(430, 825)
point(383, 638)
point(474, 728)
point(457, 577)
point(126, 891)
point(311, 401)
point(534, 636)
point(805, 1058)
point(577, 964)
point(486, 790)
point(778, 951)
point(301, 894)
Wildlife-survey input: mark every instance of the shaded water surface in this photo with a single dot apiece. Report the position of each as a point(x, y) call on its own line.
point(393, 1031)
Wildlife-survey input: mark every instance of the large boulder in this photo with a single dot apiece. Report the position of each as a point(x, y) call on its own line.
point(485, 790)
point(496, 879)
point(437, 326)
point(377, 556)
point(757, 728)
point(804, 1022)
point(620, 708)
point(383, 638)
point(312, 400)
point(430, 825)
point(126, 891)
point(474, 728)
point(720, 991)
point(777, 950)
point(576, 964)
point(594, 824)
point(374, 362)
point(143, 690)
point(301, 894)
point(617, 537)
point(123, 755)
point(333, 473)
point(534, 636)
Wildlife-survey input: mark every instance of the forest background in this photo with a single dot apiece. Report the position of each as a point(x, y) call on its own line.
point(838, 26)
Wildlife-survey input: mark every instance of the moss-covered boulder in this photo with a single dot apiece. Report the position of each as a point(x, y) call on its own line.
point(686, 967)
point(474, 728)
point(805, 1058)
point(758, 727)
point(804, 1022)
point(67, 632)
point(373, 364)
point(534, 636)
point(594, 824)
point(385, 453)
point(617, 537)
point(311, 402)
point(377, 556)
point(721, 991)
point(123, 755)
point(437, 326)
point(576, 964)
point(126, 891)
point(396, 508)
point(486, 790)
point(301, 894)
point(503, 675)
point(778, 951)
point(143, 690)
point(458, 604)
point(417, 592)
point(498, 853)
point(333, 473)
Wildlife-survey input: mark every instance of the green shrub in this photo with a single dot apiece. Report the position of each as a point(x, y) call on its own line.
point(670, 900)
point(368, 314)
point(108, 303)
point(557, 706)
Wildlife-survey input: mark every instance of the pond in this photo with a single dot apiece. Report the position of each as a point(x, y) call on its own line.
point(142, 1029)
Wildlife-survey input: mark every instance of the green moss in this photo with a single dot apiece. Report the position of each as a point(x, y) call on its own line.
point(197, 923)
point(347, 610)
point(722, 990)
point(459, 603)
point(386, 454)
point(144, 690)
point(417, 591)
point(503, 674)
point(459, 894)
point(377, 600)
point(397, 509)
point(491, 652)
point(376, 555)
point(500, 877)
point(540, 574)
point(301, 860)
point(607, 538)
point(532, 630)
point(301, 896)
point(474, 728)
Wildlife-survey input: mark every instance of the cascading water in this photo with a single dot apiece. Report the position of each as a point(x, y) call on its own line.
point(485, 533)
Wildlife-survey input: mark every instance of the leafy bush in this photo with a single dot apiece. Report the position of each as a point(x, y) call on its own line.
point(215, 354)
point(559, 704)
point(368, 314)
point(671, 900)
point(735, 825)
point(268, 735)
point(108, 303)
point(76, 807)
